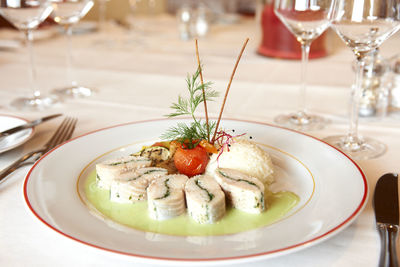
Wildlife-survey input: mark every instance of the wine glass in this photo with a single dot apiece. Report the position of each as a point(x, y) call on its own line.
point(26, 15)
point(307, 20)
point(102, 15)
point(363, 26)
point(67, 13)
point(104, 26)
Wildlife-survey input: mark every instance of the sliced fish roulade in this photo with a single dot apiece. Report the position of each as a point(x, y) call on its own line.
point(205, 199)
point(130, 187)
point(166, 198)
point(246, 193)
point(110, 170)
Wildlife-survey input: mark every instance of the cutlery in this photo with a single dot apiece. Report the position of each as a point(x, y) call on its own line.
point(27, 125)
point(386, 206)
point(62, 134)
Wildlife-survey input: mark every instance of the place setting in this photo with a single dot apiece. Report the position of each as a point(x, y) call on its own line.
point(16, 131)
point(64, 13)
point(200, 184)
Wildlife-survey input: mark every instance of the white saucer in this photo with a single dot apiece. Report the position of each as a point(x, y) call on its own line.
point(17, 139)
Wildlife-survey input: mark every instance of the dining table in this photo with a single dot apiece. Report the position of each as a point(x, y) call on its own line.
point(136, 73)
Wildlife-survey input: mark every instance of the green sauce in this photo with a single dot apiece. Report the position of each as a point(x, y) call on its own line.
point(234, 221)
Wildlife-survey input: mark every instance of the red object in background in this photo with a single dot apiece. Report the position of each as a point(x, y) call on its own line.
point(278, 41)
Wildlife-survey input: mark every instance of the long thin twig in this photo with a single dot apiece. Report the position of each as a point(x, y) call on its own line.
point(204, 93)
point(227, 89)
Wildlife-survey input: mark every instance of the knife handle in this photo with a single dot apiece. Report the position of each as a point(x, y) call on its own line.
point(19, 163)
point(388, 233)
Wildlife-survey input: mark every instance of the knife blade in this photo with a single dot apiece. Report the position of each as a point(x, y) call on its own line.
point(28, 125)
point(386, 206)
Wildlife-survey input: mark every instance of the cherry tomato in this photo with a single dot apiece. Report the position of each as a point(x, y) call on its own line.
point(191, 162)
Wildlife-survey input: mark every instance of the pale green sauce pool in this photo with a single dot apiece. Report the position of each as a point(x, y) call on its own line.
point(234, 221)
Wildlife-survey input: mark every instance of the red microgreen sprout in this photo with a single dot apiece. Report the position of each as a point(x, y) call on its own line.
point(224, 141)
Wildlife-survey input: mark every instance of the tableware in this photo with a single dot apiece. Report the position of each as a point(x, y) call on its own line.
point(277, 41)
point(394, 88)
point(27, 125)
point(307, 20)
point(7, 122)
point(386, 206)
point(185, 16)
point(102, 16)
point(8, 44)
point(62, 134)
point(26, 15)
point(363, 26)
point(15, 39)
point(374, 96)
point(312, 169)
point(67, 13)
point(104, 26)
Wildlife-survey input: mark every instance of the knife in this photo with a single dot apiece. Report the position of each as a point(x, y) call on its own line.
point(27, 125)
point(386, 206)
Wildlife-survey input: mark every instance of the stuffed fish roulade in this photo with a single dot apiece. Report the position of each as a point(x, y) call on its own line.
point(166, 198)
point(205, 199)
point(109, 170)
point(130, 187)
point(246, 193)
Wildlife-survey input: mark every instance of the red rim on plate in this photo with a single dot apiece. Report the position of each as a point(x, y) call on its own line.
point(287, 249)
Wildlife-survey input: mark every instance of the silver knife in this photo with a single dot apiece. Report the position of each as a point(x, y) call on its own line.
point(27, 125)
point(386, 206)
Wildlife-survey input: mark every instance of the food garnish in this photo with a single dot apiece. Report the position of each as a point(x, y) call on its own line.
point(188, 158)
point(204, 94)
point(159, 173)
point(224, 141)
point(229, 86)
point(191, 161)
point(197, 130)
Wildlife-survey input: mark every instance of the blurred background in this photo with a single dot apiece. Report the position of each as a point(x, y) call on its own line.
point(121, 9)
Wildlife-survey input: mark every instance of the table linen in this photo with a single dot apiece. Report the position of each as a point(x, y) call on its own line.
point(137, 76)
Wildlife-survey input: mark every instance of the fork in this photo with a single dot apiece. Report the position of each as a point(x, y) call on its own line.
point(62, 134)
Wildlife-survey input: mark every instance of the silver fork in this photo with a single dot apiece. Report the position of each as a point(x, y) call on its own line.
point(62, 134)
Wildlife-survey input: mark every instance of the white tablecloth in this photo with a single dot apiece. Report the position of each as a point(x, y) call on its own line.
point(138, 75)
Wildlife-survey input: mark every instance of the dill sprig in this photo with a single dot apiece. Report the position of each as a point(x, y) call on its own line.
point(188, 134)
point(197, 129)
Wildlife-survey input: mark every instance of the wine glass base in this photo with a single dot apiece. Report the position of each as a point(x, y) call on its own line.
point(74, 92)
point(360, 148)
point(34, 103)
point(301, 121)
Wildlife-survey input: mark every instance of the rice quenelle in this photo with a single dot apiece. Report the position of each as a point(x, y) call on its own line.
point(247, 157)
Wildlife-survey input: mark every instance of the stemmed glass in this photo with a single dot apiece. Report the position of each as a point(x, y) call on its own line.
point(26, 15)
point(307, 20)
point(363, 25)
point(67, 13)
point(102, 21)
point(104, 26)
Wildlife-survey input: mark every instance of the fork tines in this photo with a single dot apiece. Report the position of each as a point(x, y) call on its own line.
point(63, 133)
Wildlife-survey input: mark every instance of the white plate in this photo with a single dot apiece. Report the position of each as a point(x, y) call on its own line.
point(17, 139)
point(309, 167)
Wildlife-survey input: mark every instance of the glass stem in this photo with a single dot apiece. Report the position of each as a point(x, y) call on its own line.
point(102, 14)
point(305, 52)
point(353, 126)
point(70, 69)
point(32, 69)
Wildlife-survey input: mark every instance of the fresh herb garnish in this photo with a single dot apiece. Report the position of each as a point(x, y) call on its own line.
point(238, 180)
point(210, 195)
point(199, 92)
point(197, 130)
point(167, 192)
